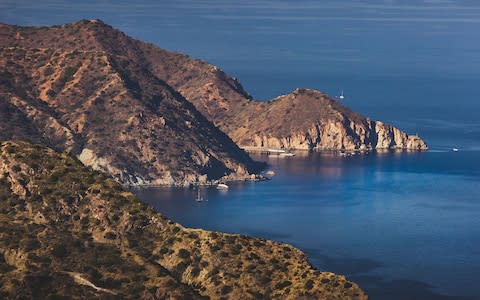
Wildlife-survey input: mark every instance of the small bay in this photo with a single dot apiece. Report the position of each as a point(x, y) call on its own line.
point(404, 225)
point(388, 221)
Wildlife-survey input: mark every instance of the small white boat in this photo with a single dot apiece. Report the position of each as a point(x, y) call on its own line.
point(222, 186)
point(199, 197)
point(455, 149)
point(276, 150)
point(287, 154)
point(341, 97)
point(270, 173)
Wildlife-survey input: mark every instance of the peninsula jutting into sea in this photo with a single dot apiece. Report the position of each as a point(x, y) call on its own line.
point(87, 112)
point(148, 116)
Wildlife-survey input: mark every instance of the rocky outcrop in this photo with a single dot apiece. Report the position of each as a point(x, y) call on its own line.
point(338, 135)
point(69, 232)
point(310, 120)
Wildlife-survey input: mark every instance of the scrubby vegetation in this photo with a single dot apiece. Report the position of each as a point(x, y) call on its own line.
point(63, 226)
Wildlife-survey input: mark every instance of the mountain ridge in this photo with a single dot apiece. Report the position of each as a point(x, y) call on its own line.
point(134, 73)
point(114, 115)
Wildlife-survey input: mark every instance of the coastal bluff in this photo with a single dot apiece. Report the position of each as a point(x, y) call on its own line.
point(310, 120)
point(305, 119)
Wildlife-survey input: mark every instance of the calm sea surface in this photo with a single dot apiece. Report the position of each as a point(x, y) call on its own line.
point(402, 225)
point(405, 226)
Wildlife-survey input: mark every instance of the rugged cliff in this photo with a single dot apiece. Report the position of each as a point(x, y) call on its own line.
point(304, 119)
point(325, 124)
point(109, 111)
point(310, 120)
point(68, 232)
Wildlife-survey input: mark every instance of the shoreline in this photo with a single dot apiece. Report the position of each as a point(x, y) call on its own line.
point(255, 178)
point(263, 150)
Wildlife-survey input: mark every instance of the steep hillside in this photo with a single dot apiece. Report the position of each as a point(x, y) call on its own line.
point(304, 119)
point(113, 114)
point(66, 231)
point(324, 124)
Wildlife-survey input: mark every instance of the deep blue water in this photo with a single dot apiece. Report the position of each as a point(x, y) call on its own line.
point(378, 218)
point(402, 225)
point(405, 226)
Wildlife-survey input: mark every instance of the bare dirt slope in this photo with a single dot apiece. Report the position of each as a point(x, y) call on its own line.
point(111, 112)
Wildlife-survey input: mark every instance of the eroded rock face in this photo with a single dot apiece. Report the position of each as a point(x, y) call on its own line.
point(339, 136)
point(304, 119)
point(310, 120)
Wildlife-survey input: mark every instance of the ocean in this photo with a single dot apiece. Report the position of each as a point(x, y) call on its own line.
point(404, 225)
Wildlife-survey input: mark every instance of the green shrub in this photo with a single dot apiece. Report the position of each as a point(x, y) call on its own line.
point(57, 297)
point(30, 244)
point(283, 284)
point(84, 221)
point(226, 289)
point(195, 271)
point(183, 253)
point(110, 235)
point(48, 71)
point(230, 239)
point(309, 284)
point(325, 280)
point(59, 250)
point(193, 235)
point(180, 268)
point(265, 280)
point(10, 149)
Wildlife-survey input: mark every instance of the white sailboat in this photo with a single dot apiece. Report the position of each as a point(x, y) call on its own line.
point(276, 151)
point(222, 186)
point(341, 97)
point(199, 197)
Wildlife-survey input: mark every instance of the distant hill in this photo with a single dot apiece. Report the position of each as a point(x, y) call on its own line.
point(78, 88)
point(304, 119)
point(67, 232)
